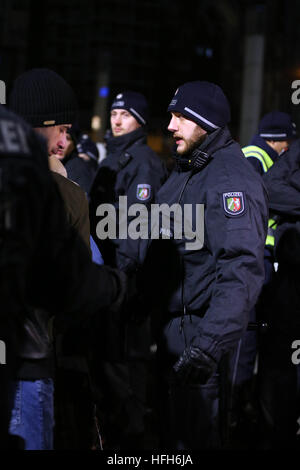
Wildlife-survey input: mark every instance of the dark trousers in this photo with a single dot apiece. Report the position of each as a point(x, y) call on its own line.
point(277, 382)
point(248, 350)
point(191, 416)
point(244, 413)
point(122, 380)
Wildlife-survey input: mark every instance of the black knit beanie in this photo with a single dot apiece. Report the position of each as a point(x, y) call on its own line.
point(133, 102)
point(277, 126)
point(203, 103)
point(43, 98)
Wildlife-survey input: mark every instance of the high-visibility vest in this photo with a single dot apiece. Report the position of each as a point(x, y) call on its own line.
point(256, 152)
point(270, 240)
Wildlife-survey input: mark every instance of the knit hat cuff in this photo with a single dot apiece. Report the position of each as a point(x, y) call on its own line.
point(138, 117)
point(275, 136)
point(48, 120)
point(206, 124)
point(276, 126)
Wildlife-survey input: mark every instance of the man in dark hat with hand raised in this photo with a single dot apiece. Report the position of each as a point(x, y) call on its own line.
point(59, 257)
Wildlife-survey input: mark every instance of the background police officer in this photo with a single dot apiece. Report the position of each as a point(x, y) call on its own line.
point(130, 169)
point(277, 372)
point(275, 133)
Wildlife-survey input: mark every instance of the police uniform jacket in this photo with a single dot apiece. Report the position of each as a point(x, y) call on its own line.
point(282, 300)
point(219, 282)
point(130, 169)
point(255, 152)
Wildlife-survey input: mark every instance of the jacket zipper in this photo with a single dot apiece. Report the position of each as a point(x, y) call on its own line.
point(182, 266)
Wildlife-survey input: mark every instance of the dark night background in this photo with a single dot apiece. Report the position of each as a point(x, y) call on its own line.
point(153, 46)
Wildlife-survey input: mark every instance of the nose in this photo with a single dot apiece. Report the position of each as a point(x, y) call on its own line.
point(173, 125)
point(63, 141)
point(117, 120)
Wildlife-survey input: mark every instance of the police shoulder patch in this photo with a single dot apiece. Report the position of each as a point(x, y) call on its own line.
point(234, 203)
point(143, 192)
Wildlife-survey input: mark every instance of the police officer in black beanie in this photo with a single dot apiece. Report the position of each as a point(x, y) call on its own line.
point(275, 133)
point(130, 169)
point(203, 290)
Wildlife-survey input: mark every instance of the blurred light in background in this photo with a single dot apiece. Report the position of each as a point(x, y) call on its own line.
point(103, 92)
point(203, 51)
point(96, 123)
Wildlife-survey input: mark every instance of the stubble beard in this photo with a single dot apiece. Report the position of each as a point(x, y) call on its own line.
point(191, 144)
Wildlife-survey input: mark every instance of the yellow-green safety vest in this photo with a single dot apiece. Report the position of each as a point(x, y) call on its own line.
point(256, 152)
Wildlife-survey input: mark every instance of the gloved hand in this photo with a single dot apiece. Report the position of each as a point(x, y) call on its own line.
point(194, 366)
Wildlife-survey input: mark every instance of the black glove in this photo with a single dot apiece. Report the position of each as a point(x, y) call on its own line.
point(194, 366)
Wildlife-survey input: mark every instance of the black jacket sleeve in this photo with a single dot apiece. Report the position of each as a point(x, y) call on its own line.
point(62, 276)
point(150, 178)
point(282, 183)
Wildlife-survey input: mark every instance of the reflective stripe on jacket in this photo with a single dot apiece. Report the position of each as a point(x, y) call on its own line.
point(256, 152)
point(252, 151)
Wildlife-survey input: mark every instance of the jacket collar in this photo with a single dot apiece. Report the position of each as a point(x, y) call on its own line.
point(123, 142)
point(201, 155)
point(260, 142)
